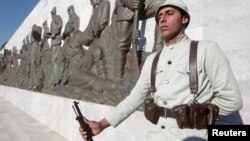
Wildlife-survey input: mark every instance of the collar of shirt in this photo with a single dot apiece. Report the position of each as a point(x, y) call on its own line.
point(180, 38)
point(168, 51)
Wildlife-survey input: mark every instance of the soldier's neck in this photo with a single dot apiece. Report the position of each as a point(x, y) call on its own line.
point(175, 40)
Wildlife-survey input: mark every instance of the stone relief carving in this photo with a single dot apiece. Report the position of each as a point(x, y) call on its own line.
point(56, 67)
point(73, 17)
point(6, 66)
point(23, 72)
point(37, 76)
point(102, 73)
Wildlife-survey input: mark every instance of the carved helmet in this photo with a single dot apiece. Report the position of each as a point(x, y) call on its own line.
point(36, 32)
point(175, 3)
point(7, 52)
point(53, 11)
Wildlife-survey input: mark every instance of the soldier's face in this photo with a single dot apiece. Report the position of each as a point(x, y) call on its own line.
point(53, 13)
point(171, 23)
point(69, 12)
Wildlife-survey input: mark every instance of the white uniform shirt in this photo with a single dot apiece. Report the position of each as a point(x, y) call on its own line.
point(215, 78)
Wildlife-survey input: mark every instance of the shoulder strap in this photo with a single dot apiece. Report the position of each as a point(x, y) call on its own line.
point(153, 69)
point(193, 77)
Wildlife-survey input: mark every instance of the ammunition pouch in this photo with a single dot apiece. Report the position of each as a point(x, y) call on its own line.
point(197, 116)
point(182, 113)
point(151, 111)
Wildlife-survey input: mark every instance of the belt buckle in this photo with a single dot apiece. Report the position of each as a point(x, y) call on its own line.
point(164, 112)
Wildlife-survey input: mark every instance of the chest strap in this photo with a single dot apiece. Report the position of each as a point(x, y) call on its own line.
point(193, 76)
point(153, 72)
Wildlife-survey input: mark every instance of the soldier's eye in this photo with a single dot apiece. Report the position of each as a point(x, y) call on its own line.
point(170, 13)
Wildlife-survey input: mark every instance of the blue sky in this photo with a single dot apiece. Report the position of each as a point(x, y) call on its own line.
point(12, 14)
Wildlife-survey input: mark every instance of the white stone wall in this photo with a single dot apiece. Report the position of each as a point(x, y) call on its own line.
point(57, 113)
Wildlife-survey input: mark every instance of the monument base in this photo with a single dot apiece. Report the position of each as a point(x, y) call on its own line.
point(57, 113)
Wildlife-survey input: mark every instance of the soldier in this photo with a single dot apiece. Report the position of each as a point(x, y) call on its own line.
point(36, 57)
point(124, 9)
point(216, 83)
point(56, 60)
point(55, 34)
point(46, 54)
point(45, 49)
point(98, 21)
point(73, 17)
point(72, 47)
point(24, 68)
point(91, 35)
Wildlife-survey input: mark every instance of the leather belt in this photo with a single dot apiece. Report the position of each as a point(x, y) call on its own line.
point(166, 113)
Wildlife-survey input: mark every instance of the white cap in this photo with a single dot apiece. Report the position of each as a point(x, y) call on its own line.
point(177, 3)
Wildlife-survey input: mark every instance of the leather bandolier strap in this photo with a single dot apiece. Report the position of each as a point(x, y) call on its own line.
point(193, 77)
point(153, 70)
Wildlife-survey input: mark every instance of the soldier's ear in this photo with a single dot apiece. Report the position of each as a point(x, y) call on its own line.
point(185, 20)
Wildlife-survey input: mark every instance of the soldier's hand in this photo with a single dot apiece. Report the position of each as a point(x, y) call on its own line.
point(95, 31)
point(96, 127)
point(53, 35)
point(132, 4)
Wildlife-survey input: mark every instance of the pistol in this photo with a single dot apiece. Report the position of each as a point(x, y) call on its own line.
point(81, 121)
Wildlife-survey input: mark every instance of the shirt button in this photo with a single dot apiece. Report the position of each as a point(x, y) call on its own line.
point(165, 102)
point(166, 81)
point(169, 62)
point(162, 127)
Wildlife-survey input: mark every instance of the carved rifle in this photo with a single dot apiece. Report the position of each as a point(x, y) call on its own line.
point(81, 121)
point(136, 34)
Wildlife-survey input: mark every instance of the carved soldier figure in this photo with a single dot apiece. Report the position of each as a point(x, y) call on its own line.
point(72, 46)
point(73, 17)
point(9, 65)
point(124, 9)
point(46, 55)
point(36, 58)
point(14, 60)
point(23, 72)
point(55, 33)
point(98, 21)
point(76, 55)
point(15, 67)
point(45, 49)
point(2, 63)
